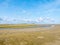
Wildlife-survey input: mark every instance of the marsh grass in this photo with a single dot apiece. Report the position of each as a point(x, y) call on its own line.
point(16, 37)
point(27, 38)
point(17, 25)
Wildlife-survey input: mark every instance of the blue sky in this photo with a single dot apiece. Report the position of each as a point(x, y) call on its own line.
point(30, 11)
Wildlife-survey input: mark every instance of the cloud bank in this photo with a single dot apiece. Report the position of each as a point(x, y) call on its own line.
point(35, 11)
point(40, 20)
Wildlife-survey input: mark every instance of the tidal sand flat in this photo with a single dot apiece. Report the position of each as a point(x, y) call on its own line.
point(30, 34)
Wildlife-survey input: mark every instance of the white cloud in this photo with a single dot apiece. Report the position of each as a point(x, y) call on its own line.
point(10, 20)
point(50, 20)
point(45, 19)
point(27, 20)
point(40, 19)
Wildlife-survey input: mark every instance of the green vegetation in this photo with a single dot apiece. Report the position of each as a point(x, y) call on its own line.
point(16, 26)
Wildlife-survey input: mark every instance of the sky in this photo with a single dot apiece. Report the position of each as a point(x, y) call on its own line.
point(30, 11)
